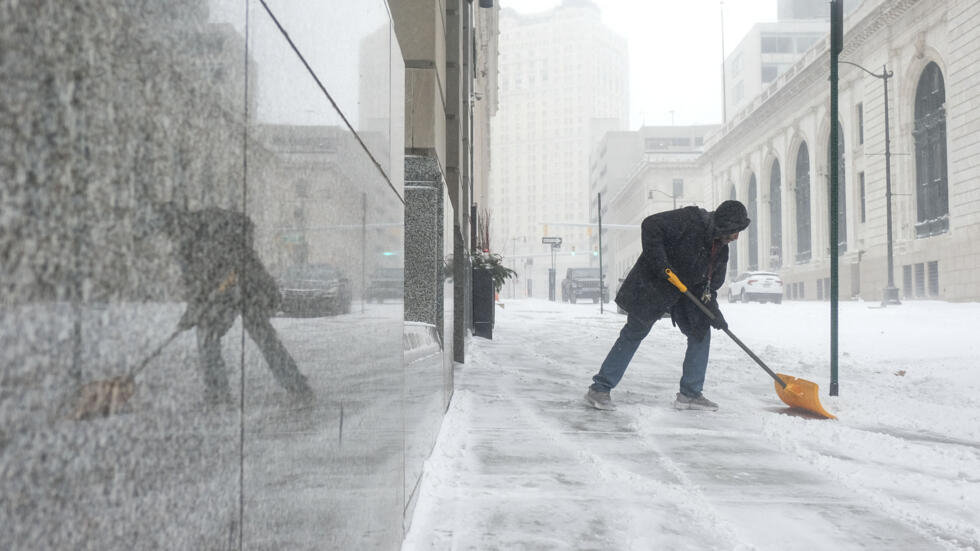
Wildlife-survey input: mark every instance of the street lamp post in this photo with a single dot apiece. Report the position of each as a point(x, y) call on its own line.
point(664, 193)
point(890, 292)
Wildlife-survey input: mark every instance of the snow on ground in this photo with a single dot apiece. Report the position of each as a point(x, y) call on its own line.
point(522, 463)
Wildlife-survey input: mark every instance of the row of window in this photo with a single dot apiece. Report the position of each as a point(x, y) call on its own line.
point(931, 183)
point(660, 144)
point(787, 44)
point(920, 280)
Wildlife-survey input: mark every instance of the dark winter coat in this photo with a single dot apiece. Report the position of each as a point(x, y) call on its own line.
point(220, 269)
point(682, 240)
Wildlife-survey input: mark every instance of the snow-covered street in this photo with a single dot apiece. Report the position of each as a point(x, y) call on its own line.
point(522, 463)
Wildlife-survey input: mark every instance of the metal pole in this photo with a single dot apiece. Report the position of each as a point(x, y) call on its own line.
point(513, 264)
point(836, 45)
point(364, 248)
point(724, 90)
point(891, 292)
point(552, 277)
point(601, 296)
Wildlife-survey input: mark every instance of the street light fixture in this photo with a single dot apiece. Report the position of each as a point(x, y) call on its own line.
point(674, 197)
point(890, 292)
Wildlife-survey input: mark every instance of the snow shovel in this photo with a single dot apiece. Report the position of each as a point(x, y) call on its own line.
point(110, 396)
point(797, 393)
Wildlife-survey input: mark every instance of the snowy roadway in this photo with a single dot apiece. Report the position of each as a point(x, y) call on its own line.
point(522, 463)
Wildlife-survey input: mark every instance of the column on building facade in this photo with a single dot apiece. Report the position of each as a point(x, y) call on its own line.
point(763, 217)
point(423, 241)
point(459, 82)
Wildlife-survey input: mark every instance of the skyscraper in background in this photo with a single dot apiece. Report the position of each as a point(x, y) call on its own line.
point(564, 82)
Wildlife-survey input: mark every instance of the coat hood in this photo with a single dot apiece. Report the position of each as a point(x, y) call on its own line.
point(729, 217)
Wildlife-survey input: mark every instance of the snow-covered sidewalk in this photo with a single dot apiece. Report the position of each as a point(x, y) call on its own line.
point(522, 463)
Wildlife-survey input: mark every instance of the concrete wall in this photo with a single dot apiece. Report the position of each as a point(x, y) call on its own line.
point(108, 108)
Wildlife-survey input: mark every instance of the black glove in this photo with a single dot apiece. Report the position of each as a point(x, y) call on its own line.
point(719, 321)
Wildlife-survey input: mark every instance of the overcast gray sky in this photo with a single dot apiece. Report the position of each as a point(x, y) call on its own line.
point(675, 51)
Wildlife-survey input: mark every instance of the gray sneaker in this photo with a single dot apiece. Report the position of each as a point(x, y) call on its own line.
point(599, 400)
point(694, 402)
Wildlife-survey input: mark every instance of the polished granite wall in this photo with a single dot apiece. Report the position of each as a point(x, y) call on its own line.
point(428, 312)
point(196, 199)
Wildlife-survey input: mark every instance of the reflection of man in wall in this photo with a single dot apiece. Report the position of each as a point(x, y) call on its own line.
point(222, 277)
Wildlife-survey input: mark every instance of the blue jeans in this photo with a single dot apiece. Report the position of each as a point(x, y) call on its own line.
point(635, 330)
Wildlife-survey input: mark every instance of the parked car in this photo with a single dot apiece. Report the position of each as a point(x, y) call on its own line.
point(582, 283)
point(760, 286)
point(314, 289)
point(386, 283)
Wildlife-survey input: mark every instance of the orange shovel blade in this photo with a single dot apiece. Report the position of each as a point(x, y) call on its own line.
point(802, 394)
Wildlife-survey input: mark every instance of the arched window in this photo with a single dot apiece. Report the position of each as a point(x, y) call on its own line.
point(841, 191)
point(931, 187)
point(732, 250)
point(803, 252)
point(753, 209)
point(775, 218)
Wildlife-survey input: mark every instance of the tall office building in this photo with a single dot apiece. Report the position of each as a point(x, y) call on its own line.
point(770, 49)
point(766, 51)
point(563, 84)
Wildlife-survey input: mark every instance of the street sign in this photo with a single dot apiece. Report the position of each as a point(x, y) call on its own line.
point(555, 243)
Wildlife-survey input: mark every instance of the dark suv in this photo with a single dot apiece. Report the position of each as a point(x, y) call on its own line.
point(314, 290)
point(582, 283)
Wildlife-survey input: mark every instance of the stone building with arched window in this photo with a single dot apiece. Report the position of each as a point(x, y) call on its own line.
point(774, 156)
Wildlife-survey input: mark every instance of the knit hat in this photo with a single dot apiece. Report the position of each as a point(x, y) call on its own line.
point(730, 217)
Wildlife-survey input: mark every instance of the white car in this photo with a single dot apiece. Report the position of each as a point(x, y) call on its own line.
point(761, 286)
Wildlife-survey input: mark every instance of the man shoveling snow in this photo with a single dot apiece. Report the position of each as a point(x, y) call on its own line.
point(693, 243)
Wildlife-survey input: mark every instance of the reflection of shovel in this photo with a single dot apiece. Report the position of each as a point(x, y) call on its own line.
point(110, 396)
point(797, 393)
